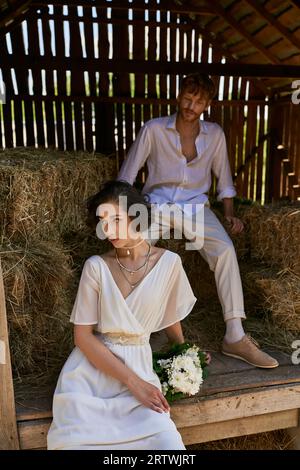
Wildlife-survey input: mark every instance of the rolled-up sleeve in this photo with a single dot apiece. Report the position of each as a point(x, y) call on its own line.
point(136, 157)
point(221, 169)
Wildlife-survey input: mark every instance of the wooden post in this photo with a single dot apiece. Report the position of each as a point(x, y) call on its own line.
point(8, 425)
point(274, 164)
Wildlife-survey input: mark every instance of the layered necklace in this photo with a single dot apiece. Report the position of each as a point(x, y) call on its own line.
point(133, 271)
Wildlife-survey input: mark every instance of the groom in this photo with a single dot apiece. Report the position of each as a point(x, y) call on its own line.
point(181, 151)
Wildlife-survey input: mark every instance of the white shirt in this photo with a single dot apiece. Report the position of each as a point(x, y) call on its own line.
point(171, 179)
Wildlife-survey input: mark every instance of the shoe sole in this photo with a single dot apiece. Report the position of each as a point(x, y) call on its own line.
point(251, 363)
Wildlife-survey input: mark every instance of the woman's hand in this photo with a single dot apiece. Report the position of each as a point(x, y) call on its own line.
point(149, 395)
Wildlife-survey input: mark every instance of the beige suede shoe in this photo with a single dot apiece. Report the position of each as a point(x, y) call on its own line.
point(247, 349)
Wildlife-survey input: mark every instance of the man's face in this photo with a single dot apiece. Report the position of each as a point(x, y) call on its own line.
point(191, 106)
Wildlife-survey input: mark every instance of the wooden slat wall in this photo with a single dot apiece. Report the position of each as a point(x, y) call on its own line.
point(285, 119)
point(83, 121)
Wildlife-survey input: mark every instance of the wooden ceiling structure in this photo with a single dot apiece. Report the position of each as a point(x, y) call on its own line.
point(259, 38)
point(253, 43)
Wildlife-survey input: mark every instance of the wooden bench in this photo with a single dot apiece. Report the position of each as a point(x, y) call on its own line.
point(235, 400)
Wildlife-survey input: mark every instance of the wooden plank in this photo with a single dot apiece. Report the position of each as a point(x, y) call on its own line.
point(285, 32)
point(23, 88)
point(61, 78)
point(17, 48)
point(7, 109)
point(151, 111)
point(62, 81)
point(129, 100)
point(226, 414)
point(135, 66)
point(244, 33)
point(239, 427)
point(121, 78)
point(34, 408)
point(49, 111)
point(260, 152)
point(166, 6)
point(34, 55)
point(249, 379)
point(77, 77)
point(223, 369)
point(91, 82)
point(104, 112)
point(8, 425)
point(195, 411)
point(33, 434)
point(163, 58)
point(138, 38)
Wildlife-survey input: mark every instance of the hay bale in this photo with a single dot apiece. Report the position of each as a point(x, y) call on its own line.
point(39, 287)
point(274, 234)
point(276, 293)
point(42, 191)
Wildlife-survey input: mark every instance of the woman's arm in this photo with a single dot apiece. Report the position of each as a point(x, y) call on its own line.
point(103, 359)
point(174, 333)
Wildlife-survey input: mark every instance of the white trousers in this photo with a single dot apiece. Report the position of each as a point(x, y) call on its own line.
point(217, 250)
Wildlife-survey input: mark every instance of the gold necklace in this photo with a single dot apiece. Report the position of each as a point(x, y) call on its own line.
point(136, 283)
point(128, 248)
point(132, 271)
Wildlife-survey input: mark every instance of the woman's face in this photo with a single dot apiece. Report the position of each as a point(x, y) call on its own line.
point(115, 224)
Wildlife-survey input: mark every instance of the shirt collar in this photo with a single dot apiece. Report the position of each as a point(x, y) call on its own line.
point(171, 124)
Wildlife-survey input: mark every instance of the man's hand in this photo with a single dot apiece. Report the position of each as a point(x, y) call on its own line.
point(236, 225)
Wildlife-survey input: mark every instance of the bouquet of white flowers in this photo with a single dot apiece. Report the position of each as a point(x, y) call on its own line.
point(181, 370)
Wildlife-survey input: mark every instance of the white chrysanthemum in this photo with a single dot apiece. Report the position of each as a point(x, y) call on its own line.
point(165, 387)
point(164, 363)
point(185, 373)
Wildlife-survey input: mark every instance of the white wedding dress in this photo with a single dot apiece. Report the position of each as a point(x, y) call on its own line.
point(92, 410)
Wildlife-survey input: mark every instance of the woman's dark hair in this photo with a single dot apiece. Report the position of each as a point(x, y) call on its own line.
point(110, 191)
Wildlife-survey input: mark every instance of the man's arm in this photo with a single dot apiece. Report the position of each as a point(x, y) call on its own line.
point(221, 169)
point(136, 157)
point(226, 190)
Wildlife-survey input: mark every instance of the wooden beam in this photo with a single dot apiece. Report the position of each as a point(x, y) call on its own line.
point(296, 3)
point(156, 67)
point(290, 37)
point(12, 13)
point(123, 100)
point(8, 423)
point(217, 41)
point(14, 24)
point(242, 31)
point(217, 417)
point(33, 434)
point(240, 427)
point(164, 6)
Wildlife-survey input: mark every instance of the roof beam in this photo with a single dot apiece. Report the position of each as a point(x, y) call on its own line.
point(13, 12)
point(250, 39)
point(296, 3)
point(150, 66)
point(216, 40)
point(164, 6)
point(274, 22)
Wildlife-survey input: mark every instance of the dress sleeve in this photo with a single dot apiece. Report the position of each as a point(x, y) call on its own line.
point(179, 299)
point(85, 309)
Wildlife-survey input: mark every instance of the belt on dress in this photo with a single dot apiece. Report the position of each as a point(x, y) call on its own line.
point(125, 339)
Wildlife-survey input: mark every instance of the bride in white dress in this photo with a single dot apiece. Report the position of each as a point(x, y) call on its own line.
point(107, 395)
